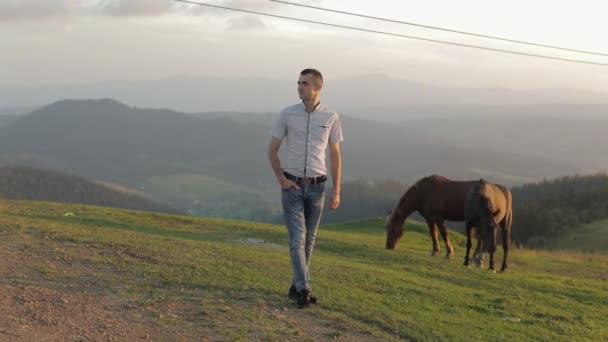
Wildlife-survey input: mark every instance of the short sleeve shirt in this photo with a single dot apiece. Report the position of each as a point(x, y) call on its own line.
point(307, 137)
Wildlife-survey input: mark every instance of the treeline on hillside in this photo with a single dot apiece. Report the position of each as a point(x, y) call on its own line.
point(362, 199)
point(242, 209)
point(548, 208)
point(26, 183)
point(359, 199)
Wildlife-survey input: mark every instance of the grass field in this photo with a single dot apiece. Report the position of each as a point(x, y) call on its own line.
point(227, 280)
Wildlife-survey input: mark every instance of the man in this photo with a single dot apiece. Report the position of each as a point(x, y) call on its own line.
point(309, 128)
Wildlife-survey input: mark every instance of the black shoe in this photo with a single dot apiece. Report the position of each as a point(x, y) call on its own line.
point(303, 299)
point(293, 293)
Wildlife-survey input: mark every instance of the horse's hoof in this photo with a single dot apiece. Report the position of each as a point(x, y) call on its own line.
point(433, 253)
point(449, 256)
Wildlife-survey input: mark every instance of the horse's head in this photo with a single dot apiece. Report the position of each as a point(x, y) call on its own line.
point(488, 229)
point(394, 230)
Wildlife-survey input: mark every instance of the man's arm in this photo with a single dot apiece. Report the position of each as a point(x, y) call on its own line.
point(335, 159)
point(275, 162)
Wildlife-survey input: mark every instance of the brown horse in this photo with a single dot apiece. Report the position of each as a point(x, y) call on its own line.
point(488, 208)
point(437, 199)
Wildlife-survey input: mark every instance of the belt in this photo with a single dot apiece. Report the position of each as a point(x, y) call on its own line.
point(305, 180)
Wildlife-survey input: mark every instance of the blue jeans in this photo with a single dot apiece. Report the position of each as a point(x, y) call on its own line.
point(302, 210)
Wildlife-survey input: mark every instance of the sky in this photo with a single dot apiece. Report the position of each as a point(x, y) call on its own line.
point(59, 42)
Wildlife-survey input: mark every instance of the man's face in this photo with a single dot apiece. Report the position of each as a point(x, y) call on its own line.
point(308, 87)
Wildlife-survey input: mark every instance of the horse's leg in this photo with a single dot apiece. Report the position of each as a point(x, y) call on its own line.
point(444, 234)
point(469, 229)
point(505, 249)
point(505, 226)
point(492, 249)
point(478, 255)
point(433, 231)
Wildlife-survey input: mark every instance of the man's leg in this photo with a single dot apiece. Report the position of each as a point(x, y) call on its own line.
point(313, 208)
point(293, 212)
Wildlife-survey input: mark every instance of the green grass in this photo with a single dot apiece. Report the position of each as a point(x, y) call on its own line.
point(380, 294)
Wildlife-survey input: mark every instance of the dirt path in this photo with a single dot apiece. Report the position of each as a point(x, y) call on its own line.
point(51, 291)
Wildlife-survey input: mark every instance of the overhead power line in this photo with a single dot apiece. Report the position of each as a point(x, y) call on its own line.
point(392, 34)
point(439, 28)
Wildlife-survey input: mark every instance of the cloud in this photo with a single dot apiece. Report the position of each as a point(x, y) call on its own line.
point(36, 9)
point(245, 23)
point(251, 5)
point(137, 7)
point(14, 10)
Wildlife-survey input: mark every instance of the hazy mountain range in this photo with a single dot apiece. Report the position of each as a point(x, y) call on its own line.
point(371, 96)
point(107, 140)
point(186, 160)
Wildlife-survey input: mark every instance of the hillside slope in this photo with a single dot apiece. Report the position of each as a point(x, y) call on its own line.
point(109, 274)
point(591, 237)
point(27, 183)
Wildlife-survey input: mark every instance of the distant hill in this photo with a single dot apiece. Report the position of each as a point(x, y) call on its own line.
point(361, 199)
point(591, 237)
point(552, 210)
point(349, 94)
point(106, 140)
point(7, 119)
point(455, 112)
point(579, 138)
point(15, 111)
point(202, 195)
point(128, 145)
point(26, 183)
point(109, 141)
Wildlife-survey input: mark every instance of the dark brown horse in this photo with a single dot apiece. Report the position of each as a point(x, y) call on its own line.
point(437, 199)
point(489, 208)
